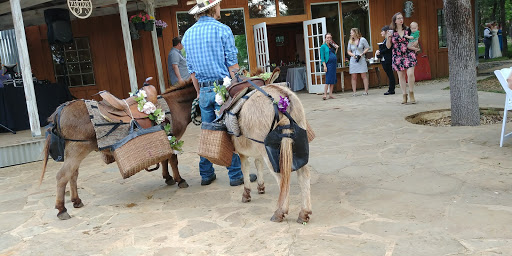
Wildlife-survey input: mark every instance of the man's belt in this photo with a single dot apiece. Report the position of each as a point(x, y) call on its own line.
point(210, 83)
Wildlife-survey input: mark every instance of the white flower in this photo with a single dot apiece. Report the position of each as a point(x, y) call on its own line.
point(142, 93)
point(169, 137)
point(148, 108)
point(219, 99)
point(176, 152)
point(227, 81)
point(160, 118)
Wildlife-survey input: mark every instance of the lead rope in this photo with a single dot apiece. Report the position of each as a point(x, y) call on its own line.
point(131, 115)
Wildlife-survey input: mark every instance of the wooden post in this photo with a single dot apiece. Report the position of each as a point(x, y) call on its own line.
point(26, 70)
point(128, 45)
point(150, 9)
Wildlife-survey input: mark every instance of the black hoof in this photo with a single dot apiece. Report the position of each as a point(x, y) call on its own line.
point(170, 181)
point(63, 215)
point(78, 204)
point(183, 183)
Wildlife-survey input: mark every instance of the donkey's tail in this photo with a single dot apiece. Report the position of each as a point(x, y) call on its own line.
point(285, 163)
point(46, 149)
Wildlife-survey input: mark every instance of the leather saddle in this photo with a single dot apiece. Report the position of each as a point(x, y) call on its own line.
point(116, 110)
point(238, 90)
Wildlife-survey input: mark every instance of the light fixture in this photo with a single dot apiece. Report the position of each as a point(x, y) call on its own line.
point(408, 8)
point(364, 4)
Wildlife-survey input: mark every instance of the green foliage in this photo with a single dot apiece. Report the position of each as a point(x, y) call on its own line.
point(220, 89)
point(176, 144)
point(241, 45)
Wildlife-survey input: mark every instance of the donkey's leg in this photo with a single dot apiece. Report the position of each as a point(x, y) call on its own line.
point(261, 183)
point(246, 196)
point(304, 178)
point(165, 173)
point(182, 183)
point(280, 212)
point(75, 152)
point(77, 202)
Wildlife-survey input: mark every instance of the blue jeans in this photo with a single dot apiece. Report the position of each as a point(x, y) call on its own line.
point(208, 106)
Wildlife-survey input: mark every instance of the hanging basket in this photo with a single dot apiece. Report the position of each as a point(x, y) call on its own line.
point(148, 26)
point(159, 31)
point(139, 26)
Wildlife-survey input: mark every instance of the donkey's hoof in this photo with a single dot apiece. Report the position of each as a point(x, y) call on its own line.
point(170, 181)
point(261, 189)
point(277, 217)
point(183, 184)
point(303, 217)
point(246, 199)
point(78, 204)
point(63, 215)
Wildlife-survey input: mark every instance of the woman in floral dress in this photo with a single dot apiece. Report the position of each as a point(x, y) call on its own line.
point(404, 60)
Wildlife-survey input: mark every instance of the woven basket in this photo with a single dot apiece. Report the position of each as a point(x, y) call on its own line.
point(142, 149)
point(311, 133)
point(215, 144)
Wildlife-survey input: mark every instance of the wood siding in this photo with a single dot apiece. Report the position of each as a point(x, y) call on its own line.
point(109, 59)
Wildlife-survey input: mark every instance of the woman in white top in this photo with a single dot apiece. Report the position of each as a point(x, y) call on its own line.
point(357, 48)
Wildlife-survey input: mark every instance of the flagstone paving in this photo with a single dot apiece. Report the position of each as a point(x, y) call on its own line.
point(380, 186)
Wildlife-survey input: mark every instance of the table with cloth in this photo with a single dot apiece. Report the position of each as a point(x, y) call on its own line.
point(296, 78)
point(13, 105)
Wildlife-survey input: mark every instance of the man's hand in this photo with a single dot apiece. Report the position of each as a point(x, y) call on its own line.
point(181, 82)
point(509, 81)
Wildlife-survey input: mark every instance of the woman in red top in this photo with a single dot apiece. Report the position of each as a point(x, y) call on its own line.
point(404, 60)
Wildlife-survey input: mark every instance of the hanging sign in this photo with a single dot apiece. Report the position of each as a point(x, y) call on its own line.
point(80, 8)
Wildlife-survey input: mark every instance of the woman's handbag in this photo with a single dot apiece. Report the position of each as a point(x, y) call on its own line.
point(141, 149)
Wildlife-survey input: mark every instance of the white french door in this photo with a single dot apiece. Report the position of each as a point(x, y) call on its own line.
point(314, 31)
point(261, 45)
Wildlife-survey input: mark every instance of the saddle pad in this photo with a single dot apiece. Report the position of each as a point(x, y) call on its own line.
point(102, 127)
point(231, 115)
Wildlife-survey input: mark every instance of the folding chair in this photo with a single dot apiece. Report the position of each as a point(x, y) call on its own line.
point(502, 75)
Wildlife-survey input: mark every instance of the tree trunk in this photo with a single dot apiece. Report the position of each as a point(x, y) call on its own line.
point(503, 23)
point(494, 9)
point(461, 61)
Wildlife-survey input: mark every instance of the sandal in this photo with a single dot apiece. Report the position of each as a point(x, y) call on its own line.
point(331, 97)
point(324, 97)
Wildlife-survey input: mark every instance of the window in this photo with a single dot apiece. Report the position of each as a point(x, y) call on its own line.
point(441, 29)
point(262, 9)
point(291, 7)
point(73, 63)
point(234, 18)
point(355, 16)
point(332, 18)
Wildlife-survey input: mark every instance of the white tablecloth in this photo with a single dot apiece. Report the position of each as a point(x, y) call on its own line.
point(296, 77)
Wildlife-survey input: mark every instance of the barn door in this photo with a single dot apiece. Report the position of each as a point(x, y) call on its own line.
point(261, 45)
point(314, 31)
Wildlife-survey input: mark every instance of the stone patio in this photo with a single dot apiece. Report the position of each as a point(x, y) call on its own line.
point(380, 186)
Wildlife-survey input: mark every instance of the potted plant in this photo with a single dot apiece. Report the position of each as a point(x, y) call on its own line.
point(136, 20)
point(160, 25)
point(149, 22)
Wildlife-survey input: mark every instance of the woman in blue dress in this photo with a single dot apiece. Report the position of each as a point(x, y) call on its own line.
point(328, 55)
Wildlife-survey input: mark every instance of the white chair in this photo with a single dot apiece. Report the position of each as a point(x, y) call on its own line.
point(502, 75)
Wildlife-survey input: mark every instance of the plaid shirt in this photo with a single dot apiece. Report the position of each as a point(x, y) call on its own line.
point(210, 48)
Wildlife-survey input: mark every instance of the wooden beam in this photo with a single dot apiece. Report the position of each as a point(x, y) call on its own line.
point(128, 45)
point(6, 8)
point(36, 17)
point(26, 70)
point(150, 9)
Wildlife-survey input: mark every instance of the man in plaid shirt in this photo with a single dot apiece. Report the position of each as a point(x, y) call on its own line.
point(211, 56)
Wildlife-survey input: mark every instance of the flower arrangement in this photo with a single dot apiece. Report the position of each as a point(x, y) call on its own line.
point(143, 21)
point(265, 76)
point(157, 116)
point(160, 24)
point(221, 91)
point(283, 103)
point(137, 18)
point(176, 145)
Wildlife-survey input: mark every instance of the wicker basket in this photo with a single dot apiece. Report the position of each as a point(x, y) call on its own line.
point(215, 144)
point(141, 149)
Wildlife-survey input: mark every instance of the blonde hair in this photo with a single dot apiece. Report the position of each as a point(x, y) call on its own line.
point(414, 23)
point(357, 34)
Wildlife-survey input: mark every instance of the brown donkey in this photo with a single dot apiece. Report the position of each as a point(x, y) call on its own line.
point(255, 119)
point(75, 124)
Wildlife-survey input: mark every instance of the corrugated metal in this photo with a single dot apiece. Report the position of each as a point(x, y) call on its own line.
point(21, 153)
point(8, 48)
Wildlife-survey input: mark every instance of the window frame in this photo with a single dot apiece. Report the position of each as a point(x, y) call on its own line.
point(278, 14)
point(439, 38)
point(67, 75)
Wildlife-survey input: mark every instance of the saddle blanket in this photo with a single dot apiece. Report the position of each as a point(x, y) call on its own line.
point(231, 115)
point(108, 133)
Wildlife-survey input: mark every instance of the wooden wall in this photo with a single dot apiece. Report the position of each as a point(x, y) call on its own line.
point(109, 59)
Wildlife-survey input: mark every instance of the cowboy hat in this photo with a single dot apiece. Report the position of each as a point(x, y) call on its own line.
point(203, 5)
